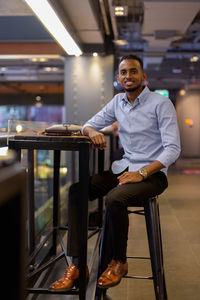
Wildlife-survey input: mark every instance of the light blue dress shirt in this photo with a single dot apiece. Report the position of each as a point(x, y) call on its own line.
point(148, 130)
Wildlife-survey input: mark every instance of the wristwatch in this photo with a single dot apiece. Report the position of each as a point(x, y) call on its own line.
point(143, 173)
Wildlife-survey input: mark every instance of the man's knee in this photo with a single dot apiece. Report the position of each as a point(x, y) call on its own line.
point(113, 200)
point(74, 195)
point(74, 188)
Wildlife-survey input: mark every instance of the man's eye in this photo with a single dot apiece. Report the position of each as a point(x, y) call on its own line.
point(133, 71)
point(123, 73)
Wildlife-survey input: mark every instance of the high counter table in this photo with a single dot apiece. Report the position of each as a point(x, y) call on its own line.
point(33, 141)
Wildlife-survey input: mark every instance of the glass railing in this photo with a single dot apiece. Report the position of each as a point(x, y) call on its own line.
point(43, 175)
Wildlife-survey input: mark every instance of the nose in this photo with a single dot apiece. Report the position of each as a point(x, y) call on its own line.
point(128, 74)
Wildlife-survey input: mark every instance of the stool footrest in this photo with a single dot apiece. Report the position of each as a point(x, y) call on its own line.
point(47, 291)
point(138, 257)
point(138, 277)
point(46, 265)
point(137, 212)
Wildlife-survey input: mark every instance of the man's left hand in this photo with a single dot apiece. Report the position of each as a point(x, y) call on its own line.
point(129, 177)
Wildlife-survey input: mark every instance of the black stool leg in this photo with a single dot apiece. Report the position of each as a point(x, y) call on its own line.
point(106, 252)
point(157, 215)
point(105, 255)
point(155, 247)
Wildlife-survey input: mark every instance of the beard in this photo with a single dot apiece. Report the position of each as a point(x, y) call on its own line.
point(133, 89)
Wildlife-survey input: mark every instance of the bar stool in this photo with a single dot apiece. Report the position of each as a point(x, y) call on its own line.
point(150, 209)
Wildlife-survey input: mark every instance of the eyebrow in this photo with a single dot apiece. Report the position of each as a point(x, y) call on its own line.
point(129, 69)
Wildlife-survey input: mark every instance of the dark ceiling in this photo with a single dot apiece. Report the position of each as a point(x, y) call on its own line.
point(166, 34)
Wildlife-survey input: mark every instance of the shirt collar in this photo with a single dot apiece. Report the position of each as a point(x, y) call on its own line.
point(144, 94)
point(142, 97)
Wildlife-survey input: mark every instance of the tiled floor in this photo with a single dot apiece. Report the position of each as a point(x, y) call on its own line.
point(180, 222)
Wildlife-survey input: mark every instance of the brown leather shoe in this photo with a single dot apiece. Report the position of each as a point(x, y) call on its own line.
point(113, 274)
point(69, 280)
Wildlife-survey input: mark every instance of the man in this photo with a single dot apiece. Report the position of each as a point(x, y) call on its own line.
point(149, 135)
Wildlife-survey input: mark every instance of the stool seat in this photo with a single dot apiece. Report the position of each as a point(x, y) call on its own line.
point(150, 209)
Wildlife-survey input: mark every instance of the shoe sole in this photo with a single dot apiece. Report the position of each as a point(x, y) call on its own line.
point(63, 290)
point(111, 285)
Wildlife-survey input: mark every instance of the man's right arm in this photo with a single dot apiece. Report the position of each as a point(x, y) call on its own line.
point(97, 138)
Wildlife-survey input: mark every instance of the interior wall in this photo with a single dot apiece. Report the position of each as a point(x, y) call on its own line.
point(88, 86)
point(188, 113)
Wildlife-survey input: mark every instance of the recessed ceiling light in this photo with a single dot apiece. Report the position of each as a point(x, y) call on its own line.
point(121, 10)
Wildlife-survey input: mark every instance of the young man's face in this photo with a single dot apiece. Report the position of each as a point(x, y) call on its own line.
point(130, 75)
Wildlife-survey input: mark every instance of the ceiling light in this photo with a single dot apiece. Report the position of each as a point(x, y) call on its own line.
point(177, 70)
point(194, 58)
point(121, 10)
point(34, 59)
point(50, 20)
point(95, 54)
point(48, 69)
point(120, 42)
point(43, 59)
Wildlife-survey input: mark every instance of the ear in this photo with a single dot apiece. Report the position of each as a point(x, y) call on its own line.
point(144, 76)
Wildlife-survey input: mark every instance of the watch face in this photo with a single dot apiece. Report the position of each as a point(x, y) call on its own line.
point(143, 173)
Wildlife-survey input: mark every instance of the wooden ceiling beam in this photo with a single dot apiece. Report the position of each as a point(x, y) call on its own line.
point(30, 48)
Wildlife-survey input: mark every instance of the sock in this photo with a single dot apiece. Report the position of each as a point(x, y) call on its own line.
point(75, 261)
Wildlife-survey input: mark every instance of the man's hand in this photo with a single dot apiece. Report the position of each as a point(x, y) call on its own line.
point(97, 138)
point(129, 177)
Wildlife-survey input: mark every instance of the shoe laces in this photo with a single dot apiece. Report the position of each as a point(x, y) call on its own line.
point(111, 265)
point(116, 265)
point(69, 270)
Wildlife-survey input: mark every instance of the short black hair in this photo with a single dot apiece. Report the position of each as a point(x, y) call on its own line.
point(132, 56)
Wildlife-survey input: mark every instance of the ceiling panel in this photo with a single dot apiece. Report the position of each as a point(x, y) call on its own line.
point(167, 16)
point(22, 28)
point(14, 8)
point(83, 20)
point(164, 39)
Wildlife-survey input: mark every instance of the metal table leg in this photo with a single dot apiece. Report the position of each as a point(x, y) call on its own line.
point(56, 198)
point(101, 155)
point(31, 201)
point(83, 225)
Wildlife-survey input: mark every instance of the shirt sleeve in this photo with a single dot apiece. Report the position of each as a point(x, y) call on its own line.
point(168, 126)
point(105, 117)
